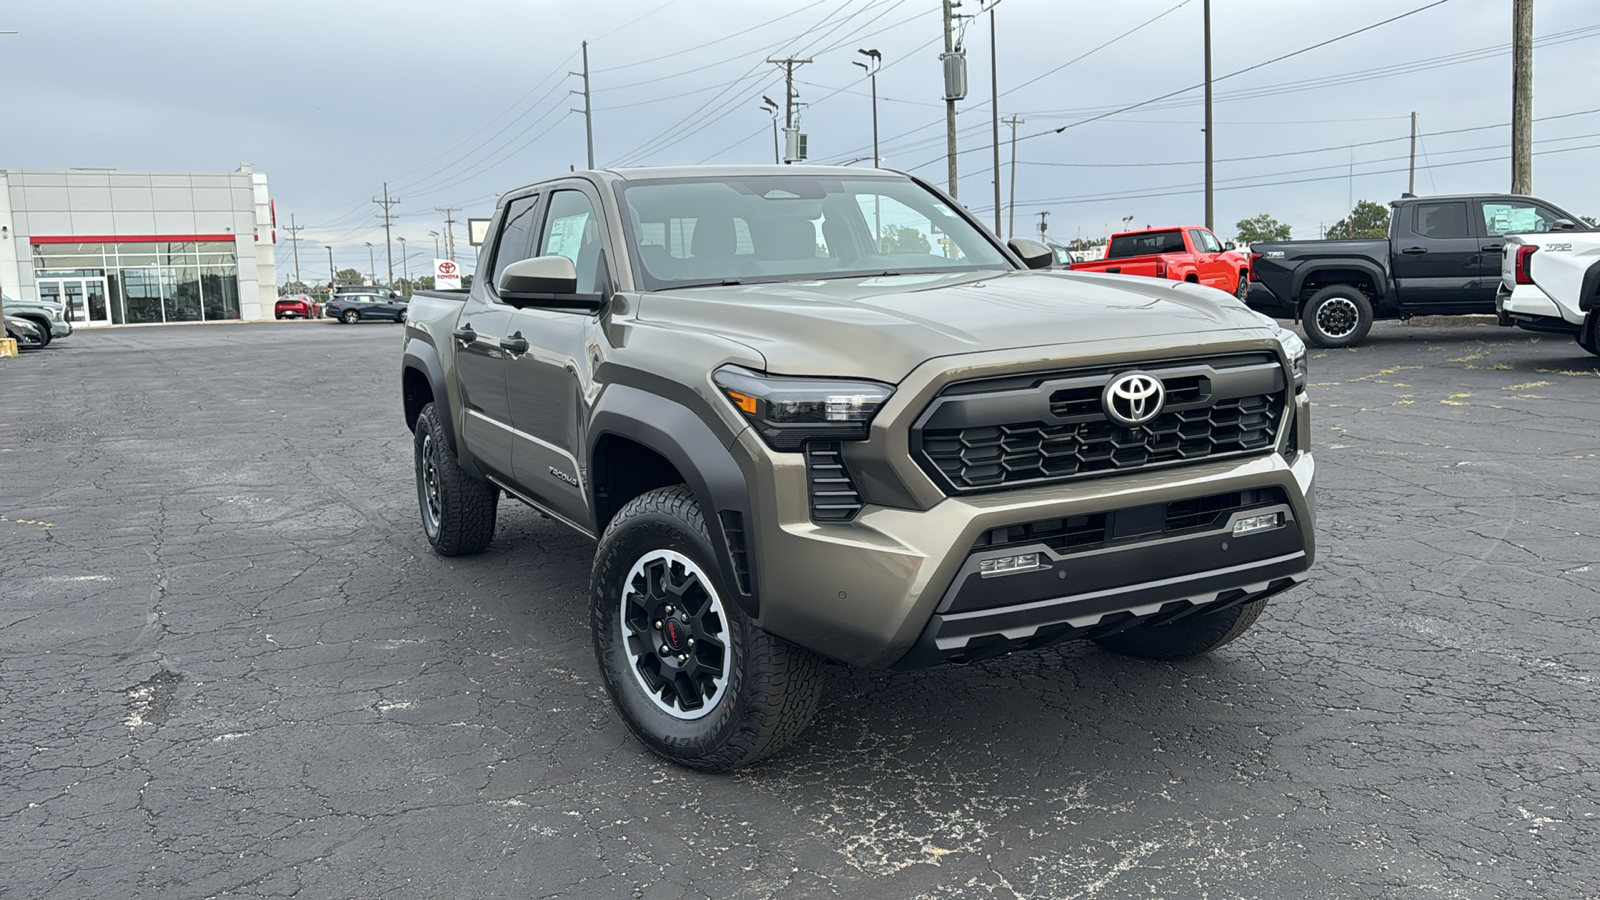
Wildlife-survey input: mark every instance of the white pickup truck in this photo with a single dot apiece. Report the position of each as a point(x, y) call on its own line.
point(1549, 283)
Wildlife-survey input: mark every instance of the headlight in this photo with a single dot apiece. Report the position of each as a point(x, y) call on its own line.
point(787, 412)
point(1295, 349)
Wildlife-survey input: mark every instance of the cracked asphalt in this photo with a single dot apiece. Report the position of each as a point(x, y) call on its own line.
point(230, 666)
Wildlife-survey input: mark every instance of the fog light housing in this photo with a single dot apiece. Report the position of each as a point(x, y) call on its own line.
point(1252, 524)
point(1009, 565)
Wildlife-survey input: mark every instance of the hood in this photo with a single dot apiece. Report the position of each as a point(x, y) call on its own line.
point(883, 327)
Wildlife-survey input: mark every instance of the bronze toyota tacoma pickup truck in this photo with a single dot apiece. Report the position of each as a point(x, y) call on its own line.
point(821, 414)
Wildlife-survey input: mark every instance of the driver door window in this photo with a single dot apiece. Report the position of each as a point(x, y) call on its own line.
point(572, 230)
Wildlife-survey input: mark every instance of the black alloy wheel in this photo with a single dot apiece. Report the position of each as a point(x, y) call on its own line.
point(458, 511)
point(695, 679)
point(1338, 315)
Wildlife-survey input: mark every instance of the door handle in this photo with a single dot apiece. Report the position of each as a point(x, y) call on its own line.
point(1494, 248)
point(1414, 251)
point(515, 344)
point(465, 334)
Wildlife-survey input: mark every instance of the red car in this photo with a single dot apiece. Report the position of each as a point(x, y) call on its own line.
point(296, 306)
point(1182, 253)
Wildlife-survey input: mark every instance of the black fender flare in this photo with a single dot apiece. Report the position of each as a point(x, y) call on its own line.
point(684, 439)
point(1380, 278)
point(424, 358)
point(1591, 284)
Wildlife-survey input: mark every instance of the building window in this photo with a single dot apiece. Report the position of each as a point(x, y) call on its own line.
point(167, 281)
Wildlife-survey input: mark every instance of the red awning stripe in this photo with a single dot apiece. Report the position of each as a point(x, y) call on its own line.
point(128, 238)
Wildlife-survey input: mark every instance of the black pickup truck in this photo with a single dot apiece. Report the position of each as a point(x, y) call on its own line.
point(1442, 257)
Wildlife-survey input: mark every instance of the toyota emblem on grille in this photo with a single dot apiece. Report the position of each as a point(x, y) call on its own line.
point(1134, 398)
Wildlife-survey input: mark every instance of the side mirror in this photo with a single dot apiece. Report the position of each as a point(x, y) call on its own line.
point(1035, 255)
point(1229, 246)
point(539, 275)
point(1564, 225)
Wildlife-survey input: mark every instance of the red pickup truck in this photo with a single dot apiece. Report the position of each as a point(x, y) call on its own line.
point(1184, 253)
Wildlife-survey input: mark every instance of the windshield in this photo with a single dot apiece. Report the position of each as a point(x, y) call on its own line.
point(766, 228)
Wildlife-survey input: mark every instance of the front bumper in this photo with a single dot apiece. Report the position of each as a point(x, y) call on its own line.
point(900, 587)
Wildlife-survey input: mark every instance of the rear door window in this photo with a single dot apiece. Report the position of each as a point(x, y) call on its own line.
point(1149, 243)
point(1442, 220)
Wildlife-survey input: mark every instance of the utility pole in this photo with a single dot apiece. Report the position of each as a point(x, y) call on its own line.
point(1210, 196)
point(449, 230)
point(994, 112)
point(588, 111)
point(949, 100)
point(1042, 216)
point(388, 248)
point(1411, 180)
point(1011, 221)
point(1522, 97)
point(790, 133)
point(294, 239)
point(333, 275)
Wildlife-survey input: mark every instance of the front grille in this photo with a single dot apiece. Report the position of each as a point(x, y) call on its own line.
point(833, 495)
point(1219, 407)
point(1090, 532)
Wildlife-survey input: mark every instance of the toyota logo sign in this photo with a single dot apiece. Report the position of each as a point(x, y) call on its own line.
point(1133, 398)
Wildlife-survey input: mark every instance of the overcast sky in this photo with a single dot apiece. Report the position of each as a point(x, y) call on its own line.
point(452, 103)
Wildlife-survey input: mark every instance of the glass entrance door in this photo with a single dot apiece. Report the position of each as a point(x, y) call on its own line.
point(84, 298)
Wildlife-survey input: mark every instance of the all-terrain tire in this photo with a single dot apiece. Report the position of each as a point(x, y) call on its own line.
point(458, 511)
point(769, 688)
point(1339, 315)
point(1187, 637)
point(1241, 290)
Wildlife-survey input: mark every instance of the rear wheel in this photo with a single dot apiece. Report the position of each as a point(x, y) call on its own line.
point(1339, 315)
point(1185, 638)
point(1242, 289)
point(695, 680)
point(458, 511)
point(349, 317)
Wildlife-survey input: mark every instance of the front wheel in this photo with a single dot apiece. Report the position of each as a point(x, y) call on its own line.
point(349, 317)
point(458, 511)
point(695, 680)
point(1242, 289)
point(1339, 315)
point(1187, 637)
point(44, 334)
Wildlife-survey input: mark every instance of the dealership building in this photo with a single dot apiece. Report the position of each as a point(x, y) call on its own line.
point(125, 248)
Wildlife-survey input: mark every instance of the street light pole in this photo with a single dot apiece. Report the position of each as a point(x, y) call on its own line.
point(333, 276)
point(994, 112)
point(771, 106)
point(435, 235)
point(372, 267)
point(405, 268)
point(872, 72)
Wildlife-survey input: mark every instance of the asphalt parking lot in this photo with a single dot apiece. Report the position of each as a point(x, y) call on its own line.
point(230, 666)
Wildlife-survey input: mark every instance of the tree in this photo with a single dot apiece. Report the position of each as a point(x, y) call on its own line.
point(1591, 221)
point(1367, 220)
point(1261, 228)
point(349, 276)
point(296, 287)
point(903, 239)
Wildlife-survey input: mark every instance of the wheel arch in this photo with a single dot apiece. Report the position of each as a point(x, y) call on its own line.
point(421, 383)
point(637, 439)
point(1358, 273)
